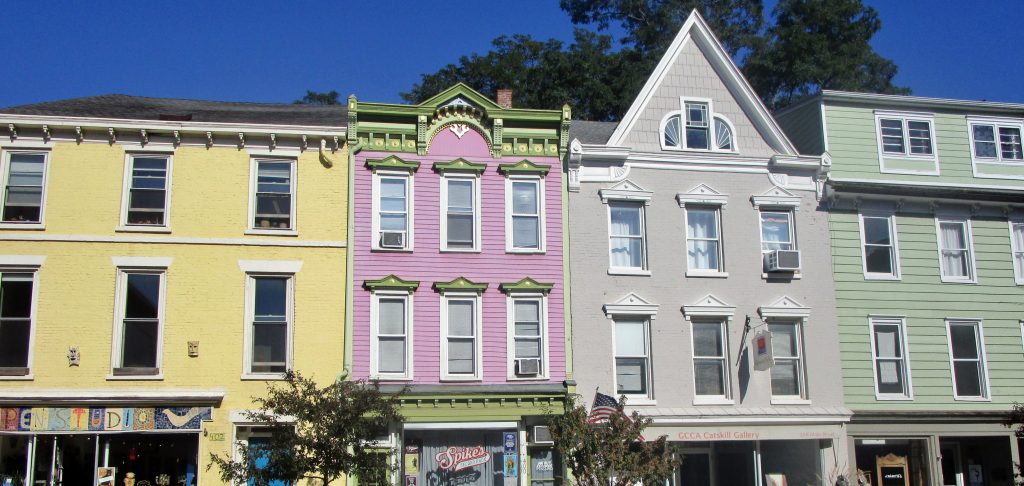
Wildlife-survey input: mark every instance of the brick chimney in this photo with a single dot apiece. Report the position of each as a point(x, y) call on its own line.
point(505, 97)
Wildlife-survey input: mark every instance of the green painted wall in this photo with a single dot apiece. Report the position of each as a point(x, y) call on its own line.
point(926, 302)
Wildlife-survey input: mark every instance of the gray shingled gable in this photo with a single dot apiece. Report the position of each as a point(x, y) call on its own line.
point(591, 132)
point(144, 108)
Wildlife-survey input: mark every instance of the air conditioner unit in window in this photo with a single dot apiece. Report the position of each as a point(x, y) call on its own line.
point(782, 261)
point(528, 366)
point(541, 435)
point(392, 239)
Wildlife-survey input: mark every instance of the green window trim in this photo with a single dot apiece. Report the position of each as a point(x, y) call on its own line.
point(460, 284)
point(391, 282)
point(527, 284)
point(392, 163)
point(460, 165)
point(524, 167)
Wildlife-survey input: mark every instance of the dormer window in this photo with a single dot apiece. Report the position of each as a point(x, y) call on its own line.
point(701, 129)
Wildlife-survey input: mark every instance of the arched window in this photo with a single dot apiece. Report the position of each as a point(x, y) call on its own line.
point(671, 131)
point(697, 127)
point(723, 134)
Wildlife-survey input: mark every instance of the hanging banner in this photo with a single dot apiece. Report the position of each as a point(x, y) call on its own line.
point(762, 345)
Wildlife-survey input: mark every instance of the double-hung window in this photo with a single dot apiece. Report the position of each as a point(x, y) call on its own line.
point(632, 357)
point(24, 180)
point(17, 290)
point(138, 345)
point(967, 360)
point(777, 230)
point(528, 337)
point(462, 347)
point(892, 365)
point(710, 359)
point(906, 136)
point(1017, 250)
point(273, 195)
point(147, 190)
point(392, 342)
point(997, 142)
point(460, 216)
point(697, 125)
point(880, 253)
point(269, 327)
point(525, 214)
point(392, 211)
point(956, 255)
point(703, 239)
point(787, 375)
point(627, 239)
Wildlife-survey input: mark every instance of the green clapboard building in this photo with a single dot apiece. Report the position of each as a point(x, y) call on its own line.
point(926, 216)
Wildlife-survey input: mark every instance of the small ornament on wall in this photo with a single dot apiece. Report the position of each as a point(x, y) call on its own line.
point(193, 349)
point(74, 357)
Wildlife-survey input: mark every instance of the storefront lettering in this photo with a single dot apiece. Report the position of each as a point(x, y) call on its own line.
point(719, 435)
point(459, 458)
point(45, 419)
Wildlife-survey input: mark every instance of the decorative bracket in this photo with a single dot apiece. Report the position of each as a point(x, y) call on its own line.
point(241, 140)
point(113, 135)
point(13, 130)
point(305, 143)
point(273, 141)
point(79, 136)
point(144, 136)
point(337, 146)
point(46, 133)
point(209, 139)
point(177, 137)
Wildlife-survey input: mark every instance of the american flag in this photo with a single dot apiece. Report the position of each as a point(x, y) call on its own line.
point(604, 406)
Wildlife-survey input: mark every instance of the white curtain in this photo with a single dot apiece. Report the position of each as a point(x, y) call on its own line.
point(702, 230)
point(1018, 248)
point(885, 346)
point(626, 241)
point(954, 257)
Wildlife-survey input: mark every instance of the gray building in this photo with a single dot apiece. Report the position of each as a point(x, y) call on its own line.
point(701, 276)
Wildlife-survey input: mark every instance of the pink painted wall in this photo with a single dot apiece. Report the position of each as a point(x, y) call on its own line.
point(428, 265)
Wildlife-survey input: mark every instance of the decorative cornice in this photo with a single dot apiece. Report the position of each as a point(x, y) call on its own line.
point(460, 165)
point(460, 284)
point(527, 284)
point(524, 167)
point(391, 282)
point(393, 163)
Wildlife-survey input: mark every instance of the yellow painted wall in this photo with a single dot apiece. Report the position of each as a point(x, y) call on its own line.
point(205, 288)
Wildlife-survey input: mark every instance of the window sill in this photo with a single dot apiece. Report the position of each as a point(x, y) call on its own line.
point(15, 373)
point(262, 376)
point(390, 378)
point(882, 277)
point(28, 377)
point(142, 229)
point(629, 271)
point(23, 226)
point(458, 250)
point(781, 276)
point(524, 251)
point(391, 250)
point(706, 274)
point(640, 401)
point(893, 398)
point(972, 399)
point(271, 232)
point(115, 375)
point(526, 378)
point(958, 281)
point(459, 379)
point(713, 401)
point(790, 401)
point(890, 155)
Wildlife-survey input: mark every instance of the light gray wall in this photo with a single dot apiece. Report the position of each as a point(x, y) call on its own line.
point(667, 286)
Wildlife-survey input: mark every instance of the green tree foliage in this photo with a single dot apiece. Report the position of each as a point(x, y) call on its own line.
point(316, 433)
point(598, 453)
point(319, 99)
point(1016, 421)
point(820, 44)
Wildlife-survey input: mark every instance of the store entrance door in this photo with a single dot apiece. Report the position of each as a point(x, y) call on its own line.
point(63, 460)
point(696, 468)
point(952, 472)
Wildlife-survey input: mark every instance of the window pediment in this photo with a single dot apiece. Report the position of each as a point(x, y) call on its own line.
point(776, 197)
point(626, 191)
point(702, 194)
point(709, 306)
point(784, 307)
point(631, 305)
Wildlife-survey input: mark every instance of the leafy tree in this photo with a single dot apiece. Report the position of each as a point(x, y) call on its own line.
point(316, 433)
point(1016, 421)
point(319, 99)
point(820, 44)
point(597, 453)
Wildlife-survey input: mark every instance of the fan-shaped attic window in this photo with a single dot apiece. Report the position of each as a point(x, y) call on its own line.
point(697, 134)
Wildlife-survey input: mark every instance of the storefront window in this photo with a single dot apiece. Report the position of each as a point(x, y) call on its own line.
point(458, 458)
point(791, 462)
point(543, 466)
point(882, 456)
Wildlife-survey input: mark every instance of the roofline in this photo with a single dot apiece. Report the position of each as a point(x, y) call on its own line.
point(875, 98)
point(185, 126)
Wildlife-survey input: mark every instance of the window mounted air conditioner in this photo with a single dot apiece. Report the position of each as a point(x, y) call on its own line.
point(541, 435)
point(782, 261)
point(528, 366)
point(392, 239)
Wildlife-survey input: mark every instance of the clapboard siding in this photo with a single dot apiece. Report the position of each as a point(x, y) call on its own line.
point(428, 265)
point(926, 303)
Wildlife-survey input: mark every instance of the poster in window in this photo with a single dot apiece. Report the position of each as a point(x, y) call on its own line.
point(775, 479)
point(976, 474)
point(893, 476)
point(510, 465)
point(105, 476)
point(763, 357)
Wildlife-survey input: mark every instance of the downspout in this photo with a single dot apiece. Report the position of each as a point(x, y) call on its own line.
point(354, 146)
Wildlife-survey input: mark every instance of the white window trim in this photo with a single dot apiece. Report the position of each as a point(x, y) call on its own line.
point(1022, 333)
point(995, 123)
point(510, 336)
point(982, 357)
point(251, 229)
point(5, 169)
point(804, 396)
point(123, 225)
point(792, 225)
point(904, 117)
point(700, 272)
point(25, 264)
point(712, 131)
point(137, 265)
point(1017, 270)
point(250, 315)
point(541, 220)
point(477, 337)
point(726, 398)
point(644, 266)
point(445, 178)
point(409, 203)
point(969, 243)
point(635, 398)
point(895, 275)
point(901, 323)
point(374, 327)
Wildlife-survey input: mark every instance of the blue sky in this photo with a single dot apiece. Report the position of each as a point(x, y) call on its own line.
point(274, 51)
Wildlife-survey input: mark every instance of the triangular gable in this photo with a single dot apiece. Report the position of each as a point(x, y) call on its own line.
point(785, 306)
point(631, 305)
point(468, 95)
point(709, 305)
point(696, 30)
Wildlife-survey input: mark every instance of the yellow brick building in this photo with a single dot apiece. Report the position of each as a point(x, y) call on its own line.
point(160, 262)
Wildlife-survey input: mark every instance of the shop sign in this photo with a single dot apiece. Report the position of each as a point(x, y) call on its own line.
point(511, 466)
point(101, 419)
point(763, 358)
point(509, 442)
point(456, 459)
